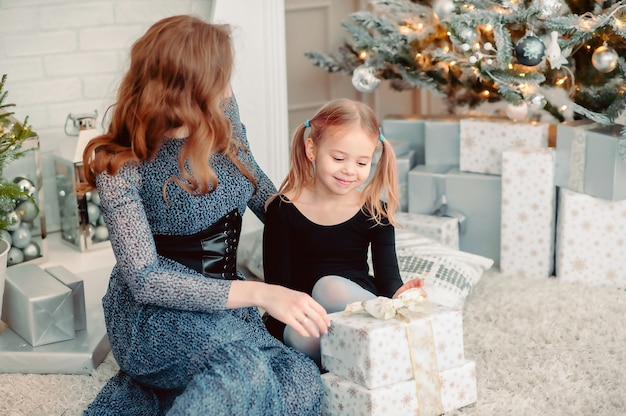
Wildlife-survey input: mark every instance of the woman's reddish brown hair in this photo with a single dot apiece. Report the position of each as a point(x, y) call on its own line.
point(180, 71)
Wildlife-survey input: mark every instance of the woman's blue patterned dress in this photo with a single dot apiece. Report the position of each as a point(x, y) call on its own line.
point(179, 349)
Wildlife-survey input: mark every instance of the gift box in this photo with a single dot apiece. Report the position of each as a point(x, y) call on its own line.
point(528, 212)
point(482, 142)
point(80, 355)
point(26, 230)
point(427, 187)
point(409, 129)
point(591, 159)
point(442, 141)
point(478, 198)
point(473, 198)
point(343, 397)
point(77, 287)
point(589, 237)
point(442, 229)
point(375, 352)
point(36, 306)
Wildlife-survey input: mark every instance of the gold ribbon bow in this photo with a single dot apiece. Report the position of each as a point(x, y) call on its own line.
point(410, 307)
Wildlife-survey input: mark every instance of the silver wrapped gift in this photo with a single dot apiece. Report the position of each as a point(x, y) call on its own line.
point(77, 286)
point(36, 306)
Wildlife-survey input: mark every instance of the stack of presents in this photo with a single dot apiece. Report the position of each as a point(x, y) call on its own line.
point(46, 326)
point(414, 365)
point(541, 200)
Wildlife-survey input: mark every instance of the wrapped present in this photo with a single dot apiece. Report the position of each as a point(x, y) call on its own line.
point(473, 198)
point(36, 306)
point(482, 142)
point(590, 233)
point(528, 212)
point(427, 188)
point(442, 229)
point(77, 286)
point(441, 141)
point(409, 129)
point(375, 352)
point(478, 198)
point(591, 159)
point(343, 397)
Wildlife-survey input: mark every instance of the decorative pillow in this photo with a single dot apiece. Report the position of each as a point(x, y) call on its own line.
point(449, 275)
point(250, 254)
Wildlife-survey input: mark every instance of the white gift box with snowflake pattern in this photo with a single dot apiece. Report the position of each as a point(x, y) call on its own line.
point(590, 239)
point(345, 398)
point(528, 212)
point(375, 353)
point(482, 142)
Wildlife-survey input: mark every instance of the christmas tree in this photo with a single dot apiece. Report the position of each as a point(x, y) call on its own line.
point(12, 137)
point(563, 58)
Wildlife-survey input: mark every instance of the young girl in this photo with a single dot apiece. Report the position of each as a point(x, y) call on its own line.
point(320, 225)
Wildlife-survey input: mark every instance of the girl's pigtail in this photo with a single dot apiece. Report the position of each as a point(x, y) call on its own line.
point(384, 185)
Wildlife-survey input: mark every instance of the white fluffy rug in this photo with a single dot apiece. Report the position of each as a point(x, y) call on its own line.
point(542, 347)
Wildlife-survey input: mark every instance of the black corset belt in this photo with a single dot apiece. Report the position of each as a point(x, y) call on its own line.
point(212, 252)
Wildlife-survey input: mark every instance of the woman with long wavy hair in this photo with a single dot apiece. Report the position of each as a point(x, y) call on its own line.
point(175, 174)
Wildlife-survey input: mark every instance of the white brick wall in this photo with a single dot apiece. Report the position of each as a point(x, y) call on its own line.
point(67, 56)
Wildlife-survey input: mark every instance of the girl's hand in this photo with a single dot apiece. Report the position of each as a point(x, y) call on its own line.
point(296, 309)
point(411, 284)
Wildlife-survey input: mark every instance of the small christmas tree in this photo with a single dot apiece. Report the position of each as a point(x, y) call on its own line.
point(12, 137)
point(565, 58)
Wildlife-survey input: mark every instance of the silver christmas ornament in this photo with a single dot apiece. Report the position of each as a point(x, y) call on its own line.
point(530, 50)
point(604, 59)
point(93, 212)
point(547, 8)
point(443, 8)
point(517, 112)
point(364, 79)
point(537, 102)
point(101, 233)
point(21, 237)
point(25, 185)
point(27, 210)
point(6, 236)
point(13, 220)
point(14, 256)
point(469, 35)
point(31, 251)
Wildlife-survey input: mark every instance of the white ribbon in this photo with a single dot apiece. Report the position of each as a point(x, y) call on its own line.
point(413, 300)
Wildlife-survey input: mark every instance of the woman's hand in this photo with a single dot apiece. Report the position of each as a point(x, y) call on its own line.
point(296, 309)
point(411, 284)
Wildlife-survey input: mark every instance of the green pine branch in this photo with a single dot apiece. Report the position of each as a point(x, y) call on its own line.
point(13, 135)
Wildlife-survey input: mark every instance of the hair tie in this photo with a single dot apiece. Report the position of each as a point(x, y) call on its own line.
point(307, 123)
point(381, 137)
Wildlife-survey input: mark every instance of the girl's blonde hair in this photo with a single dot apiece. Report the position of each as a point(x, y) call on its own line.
point(180, 70)
point(383, 185)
